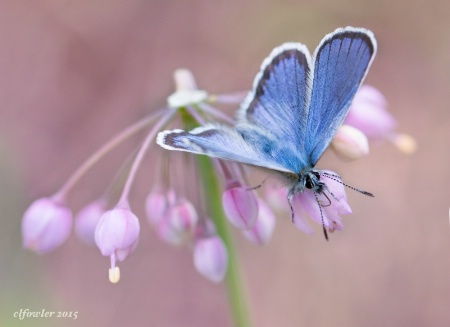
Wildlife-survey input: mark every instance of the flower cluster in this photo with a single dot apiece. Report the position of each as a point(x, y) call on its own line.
point(181, 216)
point(369, 118)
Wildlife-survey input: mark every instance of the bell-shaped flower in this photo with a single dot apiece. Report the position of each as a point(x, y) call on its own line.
point(211, 258)
point(276, 197)
point(157, 204)
point(240, 205)
point(350, 143)
point(117, 235)
point(45, 225)
point(369, 114)
point(262, 230)
point(87, 219)
point(178, 222)
point(328, 205)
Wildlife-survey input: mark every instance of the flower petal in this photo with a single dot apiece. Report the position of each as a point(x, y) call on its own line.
point(240, 206)
point(262, 230)
point(45, 225)
point(118, 229)
point(211, 258)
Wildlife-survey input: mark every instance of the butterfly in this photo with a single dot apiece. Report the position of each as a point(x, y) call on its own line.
point(296, 105)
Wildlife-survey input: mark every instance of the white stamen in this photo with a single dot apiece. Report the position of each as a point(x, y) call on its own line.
point(114, 275)
point(405, 143)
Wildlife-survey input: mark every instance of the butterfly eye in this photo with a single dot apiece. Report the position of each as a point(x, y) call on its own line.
point(311, 181)
point(309, 184)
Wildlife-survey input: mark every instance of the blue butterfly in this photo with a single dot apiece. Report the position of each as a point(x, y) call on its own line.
point(292, 113)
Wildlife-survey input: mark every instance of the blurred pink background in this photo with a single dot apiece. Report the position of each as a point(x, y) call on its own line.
point(73, 73)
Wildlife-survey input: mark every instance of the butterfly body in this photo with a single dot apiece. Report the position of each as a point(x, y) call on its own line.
point(297, 103)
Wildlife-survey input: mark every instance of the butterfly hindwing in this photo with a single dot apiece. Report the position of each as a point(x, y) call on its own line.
point(252, 147)
point(341, 62)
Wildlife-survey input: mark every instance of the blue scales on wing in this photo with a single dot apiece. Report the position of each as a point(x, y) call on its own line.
point(294, 109)
point(341, 62)
point(252, 147)
point(278, 101)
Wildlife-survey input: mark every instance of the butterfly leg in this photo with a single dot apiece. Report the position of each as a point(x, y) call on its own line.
point(321, 216)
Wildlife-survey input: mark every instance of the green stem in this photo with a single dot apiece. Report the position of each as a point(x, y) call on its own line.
point(234, 285)
point(213, 194)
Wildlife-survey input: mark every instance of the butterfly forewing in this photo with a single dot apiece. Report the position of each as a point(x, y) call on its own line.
point(277, 102)
point(341, 62)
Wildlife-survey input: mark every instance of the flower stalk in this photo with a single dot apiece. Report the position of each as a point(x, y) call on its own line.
point(213, 194)
point(92, 160)
point(213, 200)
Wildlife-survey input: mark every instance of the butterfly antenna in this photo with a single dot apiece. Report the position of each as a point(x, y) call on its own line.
point(321, 216)
point(289, 198)
point(338, 179)
point(257, 186)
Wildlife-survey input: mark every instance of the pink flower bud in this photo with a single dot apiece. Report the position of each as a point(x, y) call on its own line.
point(178, 222)
point(210, 258)
point(350, 143)
point(369, 114)
point(240, 205)
point(45, 225)
point(156, 206)
point(117, 234)
point(276, 197)
point(87, 219)
point(262, 231)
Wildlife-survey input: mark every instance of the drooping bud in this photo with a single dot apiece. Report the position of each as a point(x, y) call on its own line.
point(369, 114)
point(157, 205)
point(262, 231)
point(178, 222)
point(87, 219)
point(117, 235)
point(240, 205)
point(211, 258)
point(45, 225)
point(276, 197)
point(350, 143)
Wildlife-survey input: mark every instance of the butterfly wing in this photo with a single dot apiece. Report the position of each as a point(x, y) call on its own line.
point(277, 102)
point(341, 62)
point(245, 144)
point(286, 122)
point(270, 122)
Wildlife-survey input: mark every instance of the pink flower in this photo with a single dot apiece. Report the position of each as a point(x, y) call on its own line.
point(117, 234)
point(157, 204)
point(211, 258)
point(46, 225)
point(240, 205)
point(178, 222)
point(350, 143)
point(262, 231)
point(87, 219)
point(333, 203)
point(369, 114)
point(276, 197)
